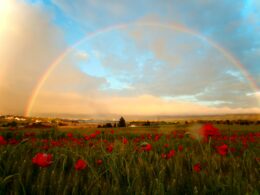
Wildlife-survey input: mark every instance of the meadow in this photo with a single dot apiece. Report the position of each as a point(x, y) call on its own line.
point(205, 159)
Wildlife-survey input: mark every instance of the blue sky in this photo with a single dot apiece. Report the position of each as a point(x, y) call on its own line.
point(133, 63)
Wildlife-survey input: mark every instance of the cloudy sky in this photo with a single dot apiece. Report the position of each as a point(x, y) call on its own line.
point(127, 57)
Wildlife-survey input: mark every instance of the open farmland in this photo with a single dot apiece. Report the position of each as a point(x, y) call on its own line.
point(224, 159)
point(129, 97)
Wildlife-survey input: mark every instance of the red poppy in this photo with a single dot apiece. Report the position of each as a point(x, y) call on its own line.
point(180, 148)
point(181, 135)
point(99, 162)
point(42, 159)
point(197, 167)
point(2, 140)
point(251, 139)
point(147, 147)
point(170, 154)
point(149, 136)
point(222, 150)
point(124, 140)
point(27, 134)
point(98, 132)
point(166, 145)
point(208, 130)
point(164, 155)
point(13, 141)
point(244, 142)
point(55, 143)
point(136, 140)
point(110, 148)
point(93, 135)
point(80, 165)
point(70, 135)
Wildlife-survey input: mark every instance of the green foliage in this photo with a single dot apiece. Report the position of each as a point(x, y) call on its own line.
point(121, 122)
point(126, 171)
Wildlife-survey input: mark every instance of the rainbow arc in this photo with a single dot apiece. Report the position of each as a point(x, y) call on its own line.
point(175, 27)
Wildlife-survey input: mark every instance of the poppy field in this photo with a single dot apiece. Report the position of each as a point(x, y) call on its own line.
point(205, 160)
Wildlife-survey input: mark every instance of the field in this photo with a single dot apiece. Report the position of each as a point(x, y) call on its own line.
point(180, 159)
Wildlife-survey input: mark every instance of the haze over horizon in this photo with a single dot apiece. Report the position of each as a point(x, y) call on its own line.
point(147, 58)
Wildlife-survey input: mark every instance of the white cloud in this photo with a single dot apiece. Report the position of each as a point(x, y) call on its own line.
point(82, 55)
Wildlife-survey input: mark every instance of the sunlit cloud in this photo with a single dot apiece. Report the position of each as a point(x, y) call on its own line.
point(138, 105)
point(136, 70)
point(29, 42)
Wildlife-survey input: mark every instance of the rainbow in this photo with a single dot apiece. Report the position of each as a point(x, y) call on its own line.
point(175, 27)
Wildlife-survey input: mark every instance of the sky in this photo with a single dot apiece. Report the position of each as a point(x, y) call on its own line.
point(145, 57)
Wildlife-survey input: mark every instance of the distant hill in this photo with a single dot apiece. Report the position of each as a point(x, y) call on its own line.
point(114, 117)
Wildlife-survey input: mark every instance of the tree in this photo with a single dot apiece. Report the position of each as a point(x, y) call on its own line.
point(147, 123)
point(108, 125)
point(121, 122)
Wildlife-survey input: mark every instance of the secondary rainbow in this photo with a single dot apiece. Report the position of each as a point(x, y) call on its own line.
point(175, 27)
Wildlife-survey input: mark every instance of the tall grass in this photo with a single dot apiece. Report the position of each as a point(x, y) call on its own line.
point(128, 169)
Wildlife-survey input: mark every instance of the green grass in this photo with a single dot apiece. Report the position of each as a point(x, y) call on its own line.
point(128, 170)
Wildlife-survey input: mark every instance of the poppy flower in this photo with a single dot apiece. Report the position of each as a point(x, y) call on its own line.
point(197, 167)
point(13, 141)
point(55, 143)
point(149, 136)
point(124, 140)
point(222, 150)
point(208, 130)
point(164, 155)
point(42, 159)
point(166, 145)
point(97, 132)
point(27, 134)
point(180, 148)
point(110, 148)
point(244, 142)
point(146, 147)
point(105, 141)
point(170, 154)
point(70, 135)
point(80, 165)
point(2, 140)
point(93, 135)
point(99, 162)
point(181, 135)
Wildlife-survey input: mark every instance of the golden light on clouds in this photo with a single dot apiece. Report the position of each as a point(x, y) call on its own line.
point(121, 71)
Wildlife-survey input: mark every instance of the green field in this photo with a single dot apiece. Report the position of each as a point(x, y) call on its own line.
point(165, 129)
point(143, 160)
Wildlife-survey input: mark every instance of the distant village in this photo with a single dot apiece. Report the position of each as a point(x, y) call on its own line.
point(12, 121)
